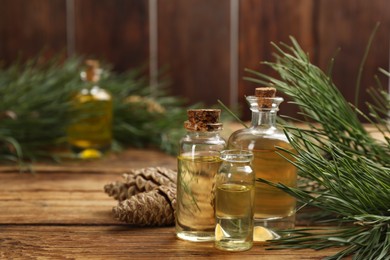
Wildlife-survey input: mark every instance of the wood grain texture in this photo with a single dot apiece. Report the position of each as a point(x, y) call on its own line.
point(118, 242)
point(130, 158)
point(56, 198)
point(263, 22)
point(70, 193)
point(31, 27)
point(347, 25)
point(193, 40)
point(116, 31)
point(61, 212)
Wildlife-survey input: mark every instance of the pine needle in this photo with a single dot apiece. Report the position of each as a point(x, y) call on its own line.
point(361, 67)
point(231, 113)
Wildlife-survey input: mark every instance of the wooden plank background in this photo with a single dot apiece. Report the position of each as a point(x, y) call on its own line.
point(204, 45)
point(29, 27)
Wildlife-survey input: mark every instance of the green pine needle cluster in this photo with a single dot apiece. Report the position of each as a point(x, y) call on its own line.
point(336, 151)
point(35, 103)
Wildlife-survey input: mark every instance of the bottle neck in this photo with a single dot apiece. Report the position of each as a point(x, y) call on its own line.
point(90, 77)
point(264, 118)
point(203, 134)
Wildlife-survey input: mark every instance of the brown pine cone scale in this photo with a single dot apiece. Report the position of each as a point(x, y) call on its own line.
point(140, 180)
point(153, 208)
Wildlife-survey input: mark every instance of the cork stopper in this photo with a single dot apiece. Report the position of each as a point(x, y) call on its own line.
point(203, 120)
point(265, 95)
point(92, 70)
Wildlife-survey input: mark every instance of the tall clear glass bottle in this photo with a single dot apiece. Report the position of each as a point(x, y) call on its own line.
point(198, 163)
point(234, 196)
point(90, 131)
point(274, 209)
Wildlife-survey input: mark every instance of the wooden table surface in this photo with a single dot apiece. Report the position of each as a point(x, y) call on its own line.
point(61, 212)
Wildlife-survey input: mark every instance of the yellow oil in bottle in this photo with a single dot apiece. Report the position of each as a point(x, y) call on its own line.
point(234, 216)
point(195, 212)
point(90, 131)
point(274, 209)
point(273, 204)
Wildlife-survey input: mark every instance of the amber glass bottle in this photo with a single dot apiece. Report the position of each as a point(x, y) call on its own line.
point(274, 209)
point(198, 163)
point(90, 131)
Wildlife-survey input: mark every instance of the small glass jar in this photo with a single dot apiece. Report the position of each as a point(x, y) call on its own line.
point(198, 163)
point(234, 197)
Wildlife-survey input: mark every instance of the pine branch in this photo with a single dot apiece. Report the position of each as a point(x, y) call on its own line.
point(35, 103)
point(337, 152)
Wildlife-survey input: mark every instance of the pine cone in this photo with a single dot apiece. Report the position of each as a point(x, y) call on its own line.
point(153, 208)
point(140, 180)
point(117, 189)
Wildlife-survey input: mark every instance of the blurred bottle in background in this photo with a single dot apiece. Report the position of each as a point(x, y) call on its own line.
point(90, 131)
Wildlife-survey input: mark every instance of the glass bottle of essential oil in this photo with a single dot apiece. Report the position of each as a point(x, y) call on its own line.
point(274, 209)
point(234, 196)
point(90, 131)
point(198, 163)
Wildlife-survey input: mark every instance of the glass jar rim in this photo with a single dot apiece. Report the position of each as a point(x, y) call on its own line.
point(264, 103)
point(276, 99)
point(236, 155)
